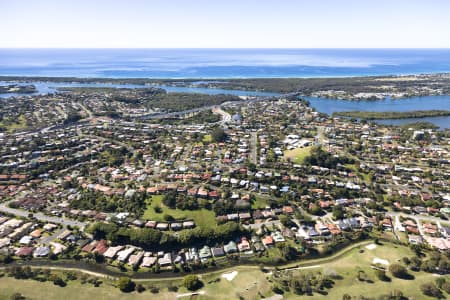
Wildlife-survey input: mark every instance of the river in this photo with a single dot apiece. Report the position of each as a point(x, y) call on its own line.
point(330, 106)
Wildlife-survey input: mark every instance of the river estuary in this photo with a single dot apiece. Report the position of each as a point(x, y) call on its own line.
point(324, 105)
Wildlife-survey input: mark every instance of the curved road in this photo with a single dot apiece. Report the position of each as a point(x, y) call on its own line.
point(302, 264)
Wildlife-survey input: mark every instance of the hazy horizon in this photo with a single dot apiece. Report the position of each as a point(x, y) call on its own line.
point(220, 62)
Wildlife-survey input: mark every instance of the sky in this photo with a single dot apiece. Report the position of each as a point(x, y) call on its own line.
point(225, 24)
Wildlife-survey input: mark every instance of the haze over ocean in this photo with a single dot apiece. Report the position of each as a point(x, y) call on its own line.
point(221, 63)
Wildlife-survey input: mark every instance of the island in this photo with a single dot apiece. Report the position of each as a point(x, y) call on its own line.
point(18, 89)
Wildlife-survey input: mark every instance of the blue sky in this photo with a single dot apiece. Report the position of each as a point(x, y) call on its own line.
point(225, 24)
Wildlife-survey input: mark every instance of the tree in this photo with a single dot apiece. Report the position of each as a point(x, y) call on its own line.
point(125, 284)
point(170, 199)
point(440, 281)
point(406, 261)
point(218, 135)
point(316, 210)
point(168, 217)
point(99, 258)
point(446, 287)
point(319, 157)
point(192, 282)
point(285, 220)
point(288, 252)
point(431, 290)
point(381, 275)
point(338, 212)
point(398, 271)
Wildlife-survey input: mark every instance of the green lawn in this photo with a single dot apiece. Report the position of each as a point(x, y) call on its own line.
point(207, 138)
point(351, 167)
point(298, 155)
point(202, 217)
point(259, 202)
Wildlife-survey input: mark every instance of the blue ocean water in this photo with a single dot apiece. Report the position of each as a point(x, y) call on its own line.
point(221, 63)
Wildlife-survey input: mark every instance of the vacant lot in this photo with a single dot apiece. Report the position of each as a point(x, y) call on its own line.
point(14, 125)
point(202, 217)
point(298, 155)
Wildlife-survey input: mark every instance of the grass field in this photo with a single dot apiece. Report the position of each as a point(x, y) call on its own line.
point(298, 155)
point(202, 217)
point(13, 126)
point(349, 266)
point(73, 291)
point(249, 283)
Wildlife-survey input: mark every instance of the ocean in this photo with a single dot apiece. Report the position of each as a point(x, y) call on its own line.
point(221, 63)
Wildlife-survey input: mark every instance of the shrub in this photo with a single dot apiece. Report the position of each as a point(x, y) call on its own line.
point(168, 217)
point(172, 288)
point(6, 259)
point(71, 276)
point(58, 281)
point(17, 296)
point(140, 288)
point(277, 289)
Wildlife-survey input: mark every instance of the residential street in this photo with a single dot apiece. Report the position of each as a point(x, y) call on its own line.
point(40, 216)
point(253, 146)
